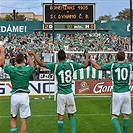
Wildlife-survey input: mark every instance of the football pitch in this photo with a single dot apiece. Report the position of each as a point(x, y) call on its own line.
point(92, 116)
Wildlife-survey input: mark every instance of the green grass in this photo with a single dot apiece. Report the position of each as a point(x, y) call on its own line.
point(92, 116)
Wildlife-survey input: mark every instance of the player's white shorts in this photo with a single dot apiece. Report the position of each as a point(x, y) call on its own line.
point(20, 104)
point(121, 102)
point(66, 103)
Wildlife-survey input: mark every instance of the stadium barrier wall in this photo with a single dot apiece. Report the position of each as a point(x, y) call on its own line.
point(89, 86)
point(36, 88)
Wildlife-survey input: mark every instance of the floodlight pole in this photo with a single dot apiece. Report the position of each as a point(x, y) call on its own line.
point(49, 84)
point(14, 14)
point(53, 20)
point(131, 24)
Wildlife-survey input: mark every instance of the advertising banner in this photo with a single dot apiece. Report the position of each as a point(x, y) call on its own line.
point(19, 27)
point(78, 87)
point(36, 87)
point(95, 87)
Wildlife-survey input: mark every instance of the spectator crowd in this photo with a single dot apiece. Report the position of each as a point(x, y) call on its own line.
point(42, 43)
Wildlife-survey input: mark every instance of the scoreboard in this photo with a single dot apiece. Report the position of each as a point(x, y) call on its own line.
point(69, 26)
point(69, 15)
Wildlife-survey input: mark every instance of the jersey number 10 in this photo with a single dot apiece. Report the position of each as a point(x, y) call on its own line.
point(122, 74)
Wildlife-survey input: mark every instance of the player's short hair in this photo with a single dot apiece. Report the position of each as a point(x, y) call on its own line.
point(19, 58)
point(120, 56)
point(61, 55)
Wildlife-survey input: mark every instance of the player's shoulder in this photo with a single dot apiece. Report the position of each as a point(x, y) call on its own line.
point(8, 67)
point(124, 64)
point(29, 67)
point(130, 63)
point(51, 65)
point(74, 63)
point(108, 64)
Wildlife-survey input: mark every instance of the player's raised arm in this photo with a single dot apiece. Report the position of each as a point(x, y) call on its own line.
point(2, 56)
point(86, 60)
point(31, 62)
point(32, 53)
point(94, 64)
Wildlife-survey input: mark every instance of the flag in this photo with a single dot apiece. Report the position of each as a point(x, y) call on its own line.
point(87, 73)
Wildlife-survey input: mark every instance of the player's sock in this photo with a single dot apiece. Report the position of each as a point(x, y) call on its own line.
point(13, 130)
point(116, 125)
point(126, 124)
point(60, 126)
point(72, 124)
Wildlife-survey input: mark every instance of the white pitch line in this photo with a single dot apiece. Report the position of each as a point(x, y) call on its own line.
point(92, 96)
point(56, 115)
point(77, 115)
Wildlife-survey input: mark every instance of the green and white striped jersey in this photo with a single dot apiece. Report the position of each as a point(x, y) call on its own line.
point(87, 73)
point(64, 74)
point(121, 74)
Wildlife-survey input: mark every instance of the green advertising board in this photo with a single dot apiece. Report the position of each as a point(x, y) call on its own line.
point(121, 28)
point(19, 27)
point(116, 27)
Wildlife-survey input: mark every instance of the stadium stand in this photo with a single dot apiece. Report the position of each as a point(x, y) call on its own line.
point(42, 44)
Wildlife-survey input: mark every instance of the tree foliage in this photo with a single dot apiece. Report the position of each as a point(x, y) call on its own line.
point(123, 15)
point(1, 19)
point(11, 18)
point(20, 17)
point(105, 17)
point(34, 19)
point(8, 18)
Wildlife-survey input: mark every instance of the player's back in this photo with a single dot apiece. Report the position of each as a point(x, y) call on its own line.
point(20, 75)
point(64, 75)
point(121, 73)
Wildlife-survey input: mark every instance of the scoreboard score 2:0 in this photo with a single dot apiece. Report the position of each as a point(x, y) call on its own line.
point(76, 13)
